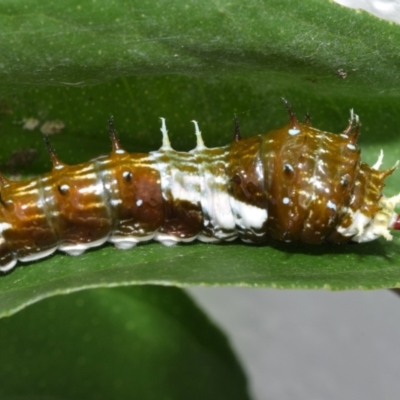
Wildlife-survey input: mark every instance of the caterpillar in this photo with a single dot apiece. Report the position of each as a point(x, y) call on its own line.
point(296, 183)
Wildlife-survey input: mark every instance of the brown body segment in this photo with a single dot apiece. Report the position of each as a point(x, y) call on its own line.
point(81, 211)
point(134, 189)
point(29, 231)
point(309, 175)
point(245, 169)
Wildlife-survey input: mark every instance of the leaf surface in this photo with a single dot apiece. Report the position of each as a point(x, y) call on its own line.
point(127, 343)
point(203, 61)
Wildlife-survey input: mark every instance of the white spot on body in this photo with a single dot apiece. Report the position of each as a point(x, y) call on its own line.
point(64, 188)
point(351, 146)
point(286, 200)
point(330, 204)
point(139, 202)
point(293, 131)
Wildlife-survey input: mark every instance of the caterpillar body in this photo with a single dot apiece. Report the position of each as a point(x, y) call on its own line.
point(296, 183)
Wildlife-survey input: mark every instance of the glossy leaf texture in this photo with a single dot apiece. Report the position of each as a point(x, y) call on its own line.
point(125, 343)
point(79, 63)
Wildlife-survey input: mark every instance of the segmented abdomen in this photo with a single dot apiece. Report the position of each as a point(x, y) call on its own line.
point(293, 184)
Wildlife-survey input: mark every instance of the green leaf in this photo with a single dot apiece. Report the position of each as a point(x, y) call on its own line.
point(203, 61)
point(126, 343)
point(75, 43)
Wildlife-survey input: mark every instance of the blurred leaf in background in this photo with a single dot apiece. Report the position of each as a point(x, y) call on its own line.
point(126, 343)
